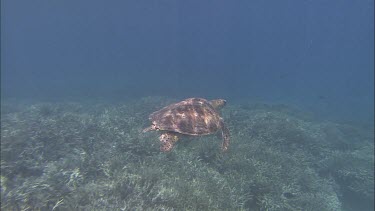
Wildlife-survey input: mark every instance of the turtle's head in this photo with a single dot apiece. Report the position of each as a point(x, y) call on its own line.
point(218, 103)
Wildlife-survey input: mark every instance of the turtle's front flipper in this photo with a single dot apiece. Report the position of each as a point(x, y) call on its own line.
point(226, 137)
point(167, 141)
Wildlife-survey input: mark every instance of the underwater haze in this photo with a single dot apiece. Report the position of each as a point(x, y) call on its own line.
point(79, 79)
point(316, 54)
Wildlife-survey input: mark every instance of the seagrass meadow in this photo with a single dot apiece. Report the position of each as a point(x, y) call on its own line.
point(94, 156)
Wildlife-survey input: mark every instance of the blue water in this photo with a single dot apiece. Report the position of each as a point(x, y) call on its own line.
point(318, 54)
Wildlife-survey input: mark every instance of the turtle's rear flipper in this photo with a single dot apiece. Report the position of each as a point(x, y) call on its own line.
point(167, 141)
point(226, 137)
point(147, 129)
point(152, 127)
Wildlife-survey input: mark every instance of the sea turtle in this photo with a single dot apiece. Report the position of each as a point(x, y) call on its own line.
point(192, 116)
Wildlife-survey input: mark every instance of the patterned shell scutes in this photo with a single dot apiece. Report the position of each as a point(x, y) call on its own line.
point(193, 116)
